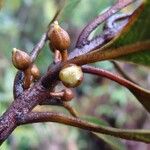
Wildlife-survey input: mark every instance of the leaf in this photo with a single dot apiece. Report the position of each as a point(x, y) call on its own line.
point(69, 8)
point(113, 142)
point(137, 30)
point(130, 134)
point(132, 44)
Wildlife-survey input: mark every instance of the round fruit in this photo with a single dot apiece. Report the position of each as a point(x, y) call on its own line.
point(71, 75)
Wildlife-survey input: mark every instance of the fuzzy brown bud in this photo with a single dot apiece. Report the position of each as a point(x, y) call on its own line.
point(71, 75)
point(35, 71)
point(58, 37)
point(21, 60)
point(68, 95)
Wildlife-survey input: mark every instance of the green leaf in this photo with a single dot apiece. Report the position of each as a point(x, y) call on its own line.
point(132, 44)
point(68, 9)
point(135, 39)
point(113, 142)
point(137, 30)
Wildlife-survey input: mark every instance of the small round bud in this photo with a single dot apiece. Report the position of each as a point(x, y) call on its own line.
point(35, 71)
point(71, 75)
point(21, 60)
point(58, 37)
point(68, 94)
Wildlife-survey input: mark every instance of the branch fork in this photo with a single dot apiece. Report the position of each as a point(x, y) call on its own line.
point(42, 92)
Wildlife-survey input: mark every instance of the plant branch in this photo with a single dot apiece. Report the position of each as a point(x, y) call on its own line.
point(38, 47)
point(22, 105)
point(59, 102)
point(25, 100)
point(95, 43)
point(71, 110)
point(107, 74)
point(137, 135)
point(18, 82)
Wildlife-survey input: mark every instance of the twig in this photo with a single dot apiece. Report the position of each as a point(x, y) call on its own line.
point(76, 122)
point(38, 47)
point(19, 111)
point(58, 102)
point(107, 74)
point(18, 82)
point(95, 43)
point(22, 105)
point(72, 111)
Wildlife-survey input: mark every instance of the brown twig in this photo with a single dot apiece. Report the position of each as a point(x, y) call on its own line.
point(76, 122)
point(64, 55)
point(58, 102)
point(38, 47)
point(72, 111)
point(22, 105)
point(109, 75)
point(18, 82)
point(57, 56)
point(95, 43)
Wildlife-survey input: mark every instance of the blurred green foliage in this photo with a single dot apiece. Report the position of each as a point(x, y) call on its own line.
point(22, 23)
